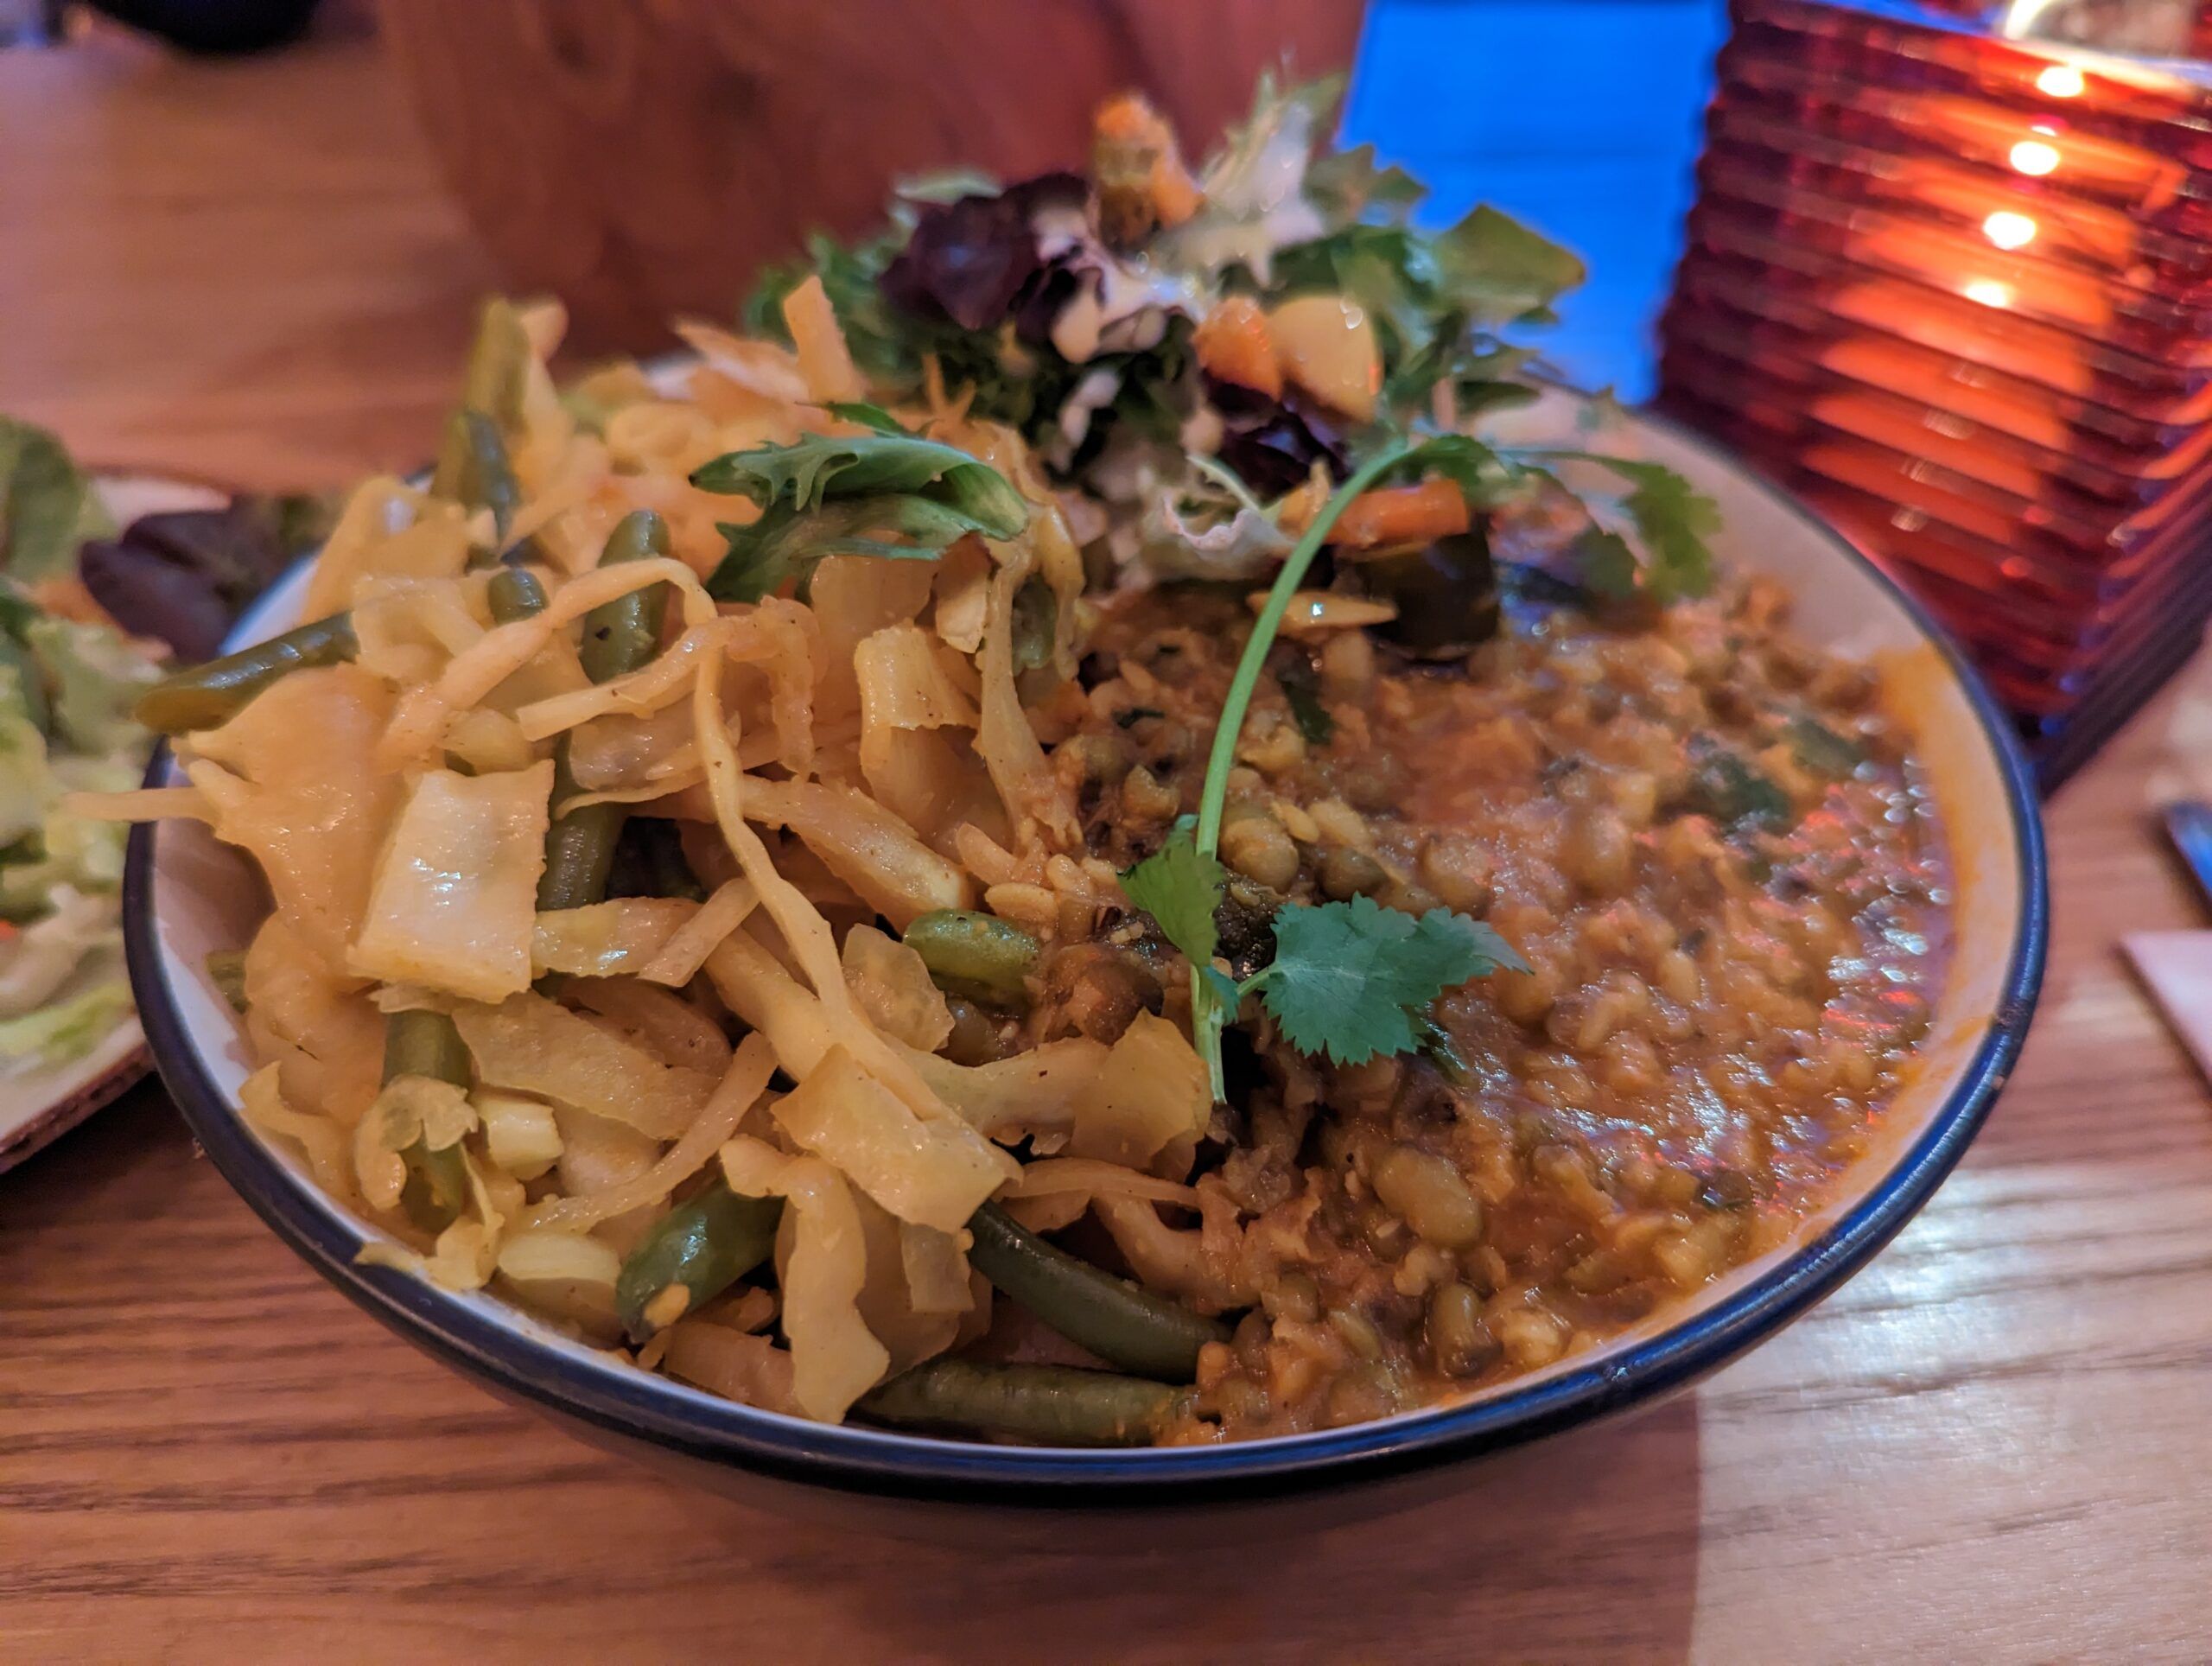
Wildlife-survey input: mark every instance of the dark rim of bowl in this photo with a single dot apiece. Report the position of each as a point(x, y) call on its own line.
point(639, 1407)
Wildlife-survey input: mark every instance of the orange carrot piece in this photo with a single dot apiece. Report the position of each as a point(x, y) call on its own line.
point(1402, 514)
point(1234, 344)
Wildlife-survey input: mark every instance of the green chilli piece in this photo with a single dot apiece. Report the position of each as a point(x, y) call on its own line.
point(427, 1043)
point(971, 952)
point(1123, 1325)
point(1051, 1405)
point(702, 1246)
point(619, 637)
point(205, 695)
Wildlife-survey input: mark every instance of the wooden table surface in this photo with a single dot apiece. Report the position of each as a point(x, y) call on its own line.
point(1993, 1445)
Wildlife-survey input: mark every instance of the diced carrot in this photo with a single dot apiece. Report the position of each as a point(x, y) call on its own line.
point(1401, 514)
point(1127, 118)
point(1142, 181)
point(1175, 192)
point(1234, 344)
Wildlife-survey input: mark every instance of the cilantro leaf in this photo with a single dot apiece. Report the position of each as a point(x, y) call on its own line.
point(1179, 886)
point(1604, 564)
point(1350, 979)
point(1673, 519)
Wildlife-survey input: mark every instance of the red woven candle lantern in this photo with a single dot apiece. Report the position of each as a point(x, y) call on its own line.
point(1955, 291)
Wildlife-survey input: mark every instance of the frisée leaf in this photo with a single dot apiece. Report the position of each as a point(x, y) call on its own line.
point(851, 495)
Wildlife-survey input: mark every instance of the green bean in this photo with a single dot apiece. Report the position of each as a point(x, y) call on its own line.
point(702, 1247)
point(485, 479)
point(579, 846)
point(226, 971)
point(619, 637)
point(514, 592)
point(971, 952)
point(1121, 1324)
point(623, 635)
point(203, 695)
point(498, 367)
point(1052, 1405)
point(417, 1043)
point(649, 861)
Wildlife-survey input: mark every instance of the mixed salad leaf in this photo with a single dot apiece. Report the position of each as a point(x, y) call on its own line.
point(1277, 311)
point(850, 496)
point(68, 679)
point(65, 699)
point(47, 506)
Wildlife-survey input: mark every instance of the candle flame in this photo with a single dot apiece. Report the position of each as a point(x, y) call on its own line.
point(2061, 81)
point(2034, 157)
point(2009, 230)
point(1988, 292)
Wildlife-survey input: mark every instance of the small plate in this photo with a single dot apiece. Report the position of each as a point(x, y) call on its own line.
point(41, 1105)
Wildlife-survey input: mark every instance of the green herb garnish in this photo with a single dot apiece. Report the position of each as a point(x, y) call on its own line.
point(1722, 785)
point(1673, 519)
point(1180, 885)
point(1822, 750)
point(868, 416)
point(850, 496)
point(1185, 879)
point(1350, 979)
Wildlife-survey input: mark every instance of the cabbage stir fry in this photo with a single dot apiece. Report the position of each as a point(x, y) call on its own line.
point(690, 915)
point(67, 682)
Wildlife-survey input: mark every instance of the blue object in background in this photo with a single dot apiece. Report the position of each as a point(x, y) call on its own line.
point(1581, 116)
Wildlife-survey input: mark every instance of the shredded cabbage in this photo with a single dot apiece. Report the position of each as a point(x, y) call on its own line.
point(822, 1265)
point(934, 1174)
point(532, 1046)
point(454, 906)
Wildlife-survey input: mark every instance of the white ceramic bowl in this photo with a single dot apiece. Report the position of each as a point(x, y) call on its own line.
point(187, 895)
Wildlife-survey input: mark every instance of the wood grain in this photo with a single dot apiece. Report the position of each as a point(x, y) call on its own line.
point(1992, 1445)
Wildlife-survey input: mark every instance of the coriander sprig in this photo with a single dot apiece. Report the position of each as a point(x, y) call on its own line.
point(1215, 793)
point(1349, 979)
point(1209, 1012)
point(1347, 985)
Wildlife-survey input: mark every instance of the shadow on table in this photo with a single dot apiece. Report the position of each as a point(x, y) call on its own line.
point(1587, 1544)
